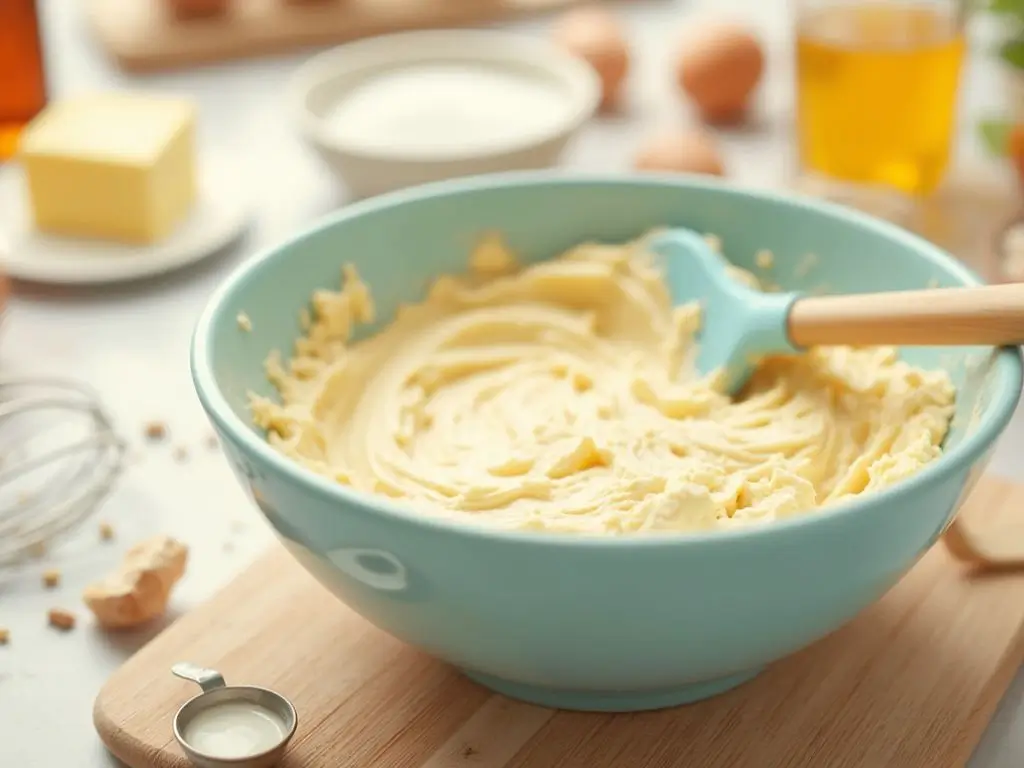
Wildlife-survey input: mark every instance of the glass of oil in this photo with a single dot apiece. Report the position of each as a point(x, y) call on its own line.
point(876, 89)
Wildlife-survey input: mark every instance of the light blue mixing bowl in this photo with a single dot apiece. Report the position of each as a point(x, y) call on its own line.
point(584, 623)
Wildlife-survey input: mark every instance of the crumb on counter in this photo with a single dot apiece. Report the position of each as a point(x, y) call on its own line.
point(61, 619)
point(244, 323)
point(180, 453)
point(106, 531)
point(764, 259)
point(156, 430)
point(212, 441)
point(51, 578)
point(5, 636)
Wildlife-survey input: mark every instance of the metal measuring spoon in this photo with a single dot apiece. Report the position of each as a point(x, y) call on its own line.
point(232, 726)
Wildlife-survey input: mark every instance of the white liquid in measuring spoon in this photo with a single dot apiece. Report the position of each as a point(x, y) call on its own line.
point(447, 109)
point(234, 729)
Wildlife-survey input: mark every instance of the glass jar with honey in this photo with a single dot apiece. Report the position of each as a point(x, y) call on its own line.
point(876, 89)
point(22, 71)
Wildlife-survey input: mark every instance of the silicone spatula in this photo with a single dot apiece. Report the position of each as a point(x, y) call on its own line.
point(740, 325)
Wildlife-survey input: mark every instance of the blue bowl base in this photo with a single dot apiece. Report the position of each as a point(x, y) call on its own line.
point(610, 701)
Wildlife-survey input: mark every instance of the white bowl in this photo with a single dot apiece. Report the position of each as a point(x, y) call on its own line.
point(563, 91)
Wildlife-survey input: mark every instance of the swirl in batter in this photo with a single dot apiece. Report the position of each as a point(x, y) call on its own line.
point(561, 397)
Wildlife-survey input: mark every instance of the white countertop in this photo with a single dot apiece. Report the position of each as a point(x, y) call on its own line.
point(130, 343)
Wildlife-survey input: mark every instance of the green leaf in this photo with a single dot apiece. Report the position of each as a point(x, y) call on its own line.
point(1010, 7)
point(995, 135)
point(1012, 52)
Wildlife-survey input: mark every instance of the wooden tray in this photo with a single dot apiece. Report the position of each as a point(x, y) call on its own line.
point(912, 683)
point(141, 35)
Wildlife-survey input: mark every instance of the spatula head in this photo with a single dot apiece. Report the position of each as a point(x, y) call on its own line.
point(739, 325)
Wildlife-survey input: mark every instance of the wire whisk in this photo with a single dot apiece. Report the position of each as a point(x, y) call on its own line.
point(60, 457)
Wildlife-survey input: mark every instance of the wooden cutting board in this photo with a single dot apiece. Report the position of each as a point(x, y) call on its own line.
point(142, 35)
point(912, 682)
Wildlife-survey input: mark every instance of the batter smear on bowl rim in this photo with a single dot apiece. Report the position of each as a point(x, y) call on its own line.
point(561, 396)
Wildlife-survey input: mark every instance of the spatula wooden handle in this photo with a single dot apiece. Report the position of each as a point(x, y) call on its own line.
point(989, 315)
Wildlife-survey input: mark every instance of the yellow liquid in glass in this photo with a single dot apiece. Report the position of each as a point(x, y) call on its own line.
point(877, 90)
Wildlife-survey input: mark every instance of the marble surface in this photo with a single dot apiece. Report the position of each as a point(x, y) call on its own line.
point(130, 343)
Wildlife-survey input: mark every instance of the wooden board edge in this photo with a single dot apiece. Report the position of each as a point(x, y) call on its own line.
point(138, 59)
point(118, 741)
point(999, 683)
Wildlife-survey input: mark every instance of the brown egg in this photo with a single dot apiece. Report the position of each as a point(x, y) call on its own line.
point(596, 36)
point(719, 64)
point(680, 152)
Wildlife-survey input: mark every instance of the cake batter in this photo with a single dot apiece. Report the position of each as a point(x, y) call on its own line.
point(561, 397)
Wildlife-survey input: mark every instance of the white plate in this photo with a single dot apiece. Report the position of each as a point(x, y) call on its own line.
point(219, 216)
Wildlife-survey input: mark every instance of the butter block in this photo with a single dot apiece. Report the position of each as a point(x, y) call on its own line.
point(113, 166)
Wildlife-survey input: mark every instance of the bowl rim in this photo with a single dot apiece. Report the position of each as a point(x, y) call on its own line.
point(1008, 363)
point(513, 50)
